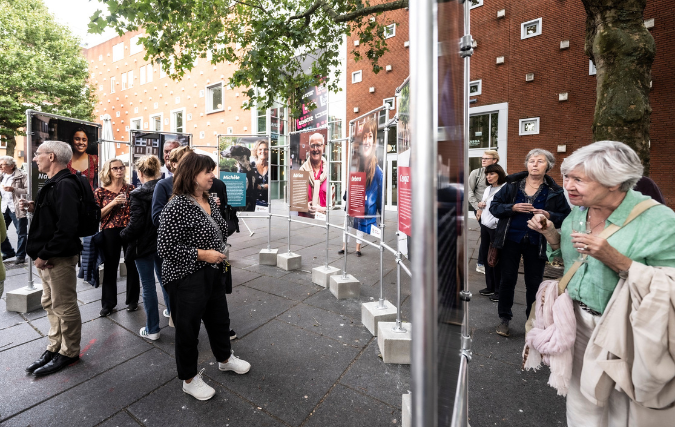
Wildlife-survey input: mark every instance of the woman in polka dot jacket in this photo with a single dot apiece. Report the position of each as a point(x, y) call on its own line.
point(191, 242)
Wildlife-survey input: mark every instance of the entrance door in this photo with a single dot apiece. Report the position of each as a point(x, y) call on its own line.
point(392, 182)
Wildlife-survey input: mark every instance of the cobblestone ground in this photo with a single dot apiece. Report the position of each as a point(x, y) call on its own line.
point(314, 364)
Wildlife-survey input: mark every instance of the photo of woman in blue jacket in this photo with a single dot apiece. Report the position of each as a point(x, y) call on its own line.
point(368, 162)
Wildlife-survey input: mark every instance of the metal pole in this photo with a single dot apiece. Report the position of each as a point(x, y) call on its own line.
point(424, 283)
point(381, 305)
point(398, 327)
point(269, 193)
point(288, 154)
point(329, 198)
point(29, 160)
point(349, 195)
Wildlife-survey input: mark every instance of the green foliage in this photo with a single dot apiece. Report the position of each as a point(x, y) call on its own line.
point(268, 40)
point(41, 67)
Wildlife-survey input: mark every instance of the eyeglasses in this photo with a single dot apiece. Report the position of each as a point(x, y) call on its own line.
point(118, 168)
point(316, 146)
point(487, 158)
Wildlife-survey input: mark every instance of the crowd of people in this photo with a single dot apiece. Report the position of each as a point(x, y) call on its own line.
point(171, 228)
point(610, 344)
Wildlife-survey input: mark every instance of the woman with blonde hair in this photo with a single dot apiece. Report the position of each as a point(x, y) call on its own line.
point(261, 151)
point(141, 237)
point(112, 197)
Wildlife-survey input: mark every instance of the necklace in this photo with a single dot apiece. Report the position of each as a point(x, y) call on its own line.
point(588, 221)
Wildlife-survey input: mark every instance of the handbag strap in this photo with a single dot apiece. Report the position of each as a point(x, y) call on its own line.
point(606, 233)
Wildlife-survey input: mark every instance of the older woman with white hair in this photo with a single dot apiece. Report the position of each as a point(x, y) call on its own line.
point(599, 179)
point(525, 194)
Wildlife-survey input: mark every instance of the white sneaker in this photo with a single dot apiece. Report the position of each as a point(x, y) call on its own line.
point(480, 268)
point(144, 333)
point(235, 364)
point(166, 312)
point(198, 388)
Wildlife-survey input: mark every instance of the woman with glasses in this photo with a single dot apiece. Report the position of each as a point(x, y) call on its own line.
point(113, 198)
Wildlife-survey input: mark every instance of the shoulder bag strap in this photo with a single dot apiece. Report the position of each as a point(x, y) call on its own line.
point(611, 229)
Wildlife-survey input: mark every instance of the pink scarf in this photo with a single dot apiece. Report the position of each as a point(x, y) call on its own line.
point(552, 337)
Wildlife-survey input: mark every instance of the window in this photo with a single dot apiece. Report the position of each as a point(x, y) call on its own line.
point(529, 126)
point(135, 45)
point(230, 130)
point(156, 123)
point(178, 120)
point(130, 79)
point(162, 73)
point(118, 52)
point(142, 75)
point(476, 87)
point(591, 68)
point(112, 85)
point(391, 102)
point(202, 135)
point(357, 76)
point(117, 113)
point(530, 29)
point(124, 81)
point(476, 3)
point(389, 31)
point(149, 70)
point(137, 123)
point(214, 98)
point(262, 120)
point(484, 131)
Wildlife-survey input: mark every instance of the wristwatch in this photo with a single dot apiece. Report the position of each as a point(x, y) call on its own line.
point(623, 274)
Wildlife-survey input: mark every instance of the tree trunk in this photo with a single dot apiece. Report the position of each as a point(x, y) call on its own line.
point(623, 51)
point(11, 145)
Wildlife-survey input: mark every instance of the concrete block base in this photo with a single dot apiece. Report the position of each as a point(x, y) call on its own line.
point(268, 256)
point(321, 275)
point(372, 314)
point(24, 300)
point(289, 261)
point(394, 346)
point(406, 413)
point(345, 287)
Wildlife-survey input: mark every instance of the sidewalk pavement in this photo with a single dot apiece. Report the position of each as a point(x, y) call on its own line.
point(313, 363)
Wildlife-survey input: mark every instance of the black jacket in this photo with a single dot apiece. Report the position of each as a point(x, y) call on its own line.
point(502, 207)
point(140, 234)
point(53, 230)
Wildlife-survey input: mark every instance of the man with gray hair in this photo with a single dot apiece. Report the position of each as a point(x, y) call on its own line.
point(54, 244)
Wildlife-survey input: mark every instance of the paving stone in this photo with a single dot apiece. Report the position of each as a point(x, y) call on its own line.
point(291, 372)
point(241, 276)
point(267, 270)
point(283, 288)
point(17, 335)
point(83, 403)
point(180, 409)
point(347, 407)
point(383, 381)
point(348, 307)
point(8, 318)
point(167, 343)
point(332, 325)
point(121, 419)
point(508, 396)
point(104, 345)
point(135, 320)
point(250, 308)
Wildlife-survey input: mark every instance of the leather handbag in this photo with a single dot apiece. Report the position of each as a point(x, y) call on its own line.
point(492, 256)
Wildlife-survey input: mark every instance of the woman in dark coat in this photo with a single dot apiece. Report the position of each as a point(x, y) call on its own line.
point(525, 194)
point(141, 238)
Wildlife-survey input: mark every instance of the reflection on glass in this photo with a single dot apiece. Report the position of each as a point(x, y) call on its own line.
point(217, 97)
point(479, 135)
point(262, 124)
point(494, 128)
point(531, 29)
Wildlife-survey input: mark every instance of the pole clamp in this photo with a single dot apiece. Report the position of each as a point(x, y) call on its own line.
point(465, 296)
point(466, 347)
point(466, 46)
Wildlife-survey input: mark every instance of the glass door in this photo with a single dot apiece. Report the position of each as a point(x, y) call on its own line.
point(392, 182)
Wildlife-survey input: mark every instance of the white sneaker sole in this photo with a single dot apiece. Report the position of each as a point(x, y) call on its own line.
point(198, 398)
point(232, 370)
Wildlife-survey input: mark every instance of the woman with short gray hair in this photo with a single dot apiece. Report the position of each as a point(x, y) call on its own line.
point(13, 184)
point(525, 194)
point(599, 179)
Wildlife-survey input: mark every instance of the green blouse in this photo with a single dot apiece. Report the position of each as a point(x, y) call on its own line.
point(648, 239)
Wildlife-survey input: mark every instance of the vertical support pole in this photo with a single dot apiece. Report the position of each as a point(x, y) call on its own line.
point(349, 195)
point(269, 194)
point(399, 326)
point(329, 196)
point(382, 207)
point(288, 154)
point(29, 160)
point(424, 284)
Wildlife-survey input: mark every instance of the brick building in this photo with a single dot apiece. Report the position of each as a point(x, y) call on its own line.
point(532, 83)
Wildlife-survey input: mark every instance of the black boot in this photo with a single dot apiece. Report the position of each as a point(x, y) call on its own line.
point(46, 357)
point(56, 364)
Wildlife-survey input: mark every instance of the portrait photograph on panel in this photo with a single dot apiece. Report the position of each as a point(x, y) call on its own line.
point(308, 154)
point(155, 144)
point(244, 168)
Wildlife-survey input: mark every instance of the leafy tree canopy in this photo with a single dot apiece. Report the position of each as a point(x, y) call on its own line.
point(41, 67)
point(269, 40)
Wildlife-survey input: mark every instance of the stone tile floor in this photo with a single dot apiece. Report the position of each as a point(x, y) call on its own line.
point(314, 364)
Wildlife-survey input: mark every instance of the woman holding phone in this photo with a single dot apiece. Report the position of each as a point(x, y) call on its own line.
point(113, 199)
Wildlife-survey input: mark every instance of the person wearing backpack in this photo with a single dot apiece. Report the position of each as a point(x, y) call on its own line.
point(54, 244)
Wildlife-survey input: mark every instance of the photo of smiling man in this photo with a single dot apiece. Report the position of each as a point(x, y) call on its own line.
point(367, 159)
point(311, 147)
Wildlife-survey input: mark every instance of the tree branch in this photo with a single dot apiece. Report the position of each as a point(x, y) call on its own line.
point(384, 7)
point(251, 5)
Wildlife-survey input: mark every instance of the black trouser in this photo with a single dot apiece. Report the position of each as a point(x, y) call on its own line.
point(509, 259)
point(493, 275)
point(112, 244)
point(483, 248)
point(199, 296)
